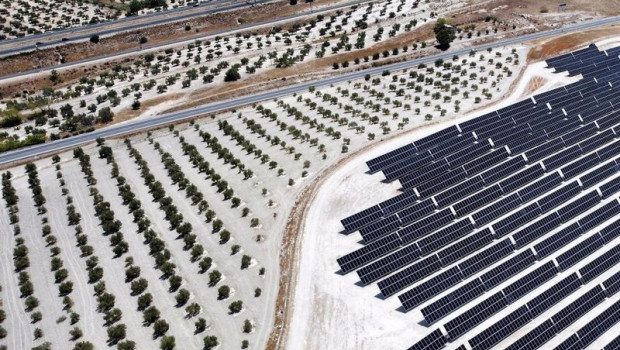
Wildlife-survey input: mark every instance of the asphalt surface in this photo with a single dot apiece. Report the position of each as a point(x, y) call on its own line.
point(74, 34)
point(139, 48)
point(155, 121)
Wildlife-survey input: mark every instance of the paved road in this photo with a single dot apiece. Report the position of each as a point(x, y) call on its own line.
point(76, 33)
point(147, 47)
point(138, 125)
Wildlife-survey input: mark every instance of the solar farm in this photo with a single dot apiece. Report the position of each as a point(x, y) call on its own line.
point(505, 230)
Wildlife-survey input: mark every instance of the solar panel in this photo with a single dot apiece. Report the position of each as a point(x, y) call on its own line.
point(554, 294)
point(445, 236)
point(364, 217)
point(507, 269)
point(478, 200)
point(497, 209)
point(613, 345)
point(608, 121)
point(599, 265)
point(417, 211)
point(557, 240)
point(501, 329)
point(610, 232)
point(521, 178)
point(454, 146)
point(579, 134)
point(584, 164)
point(426, 290)
point(578, 308)
point(610, 188)
point(609, 151)
point(366, 254)
point(520, 146)
point(529, 282)
point(375, 164)
point(579, 206)
point(388, 264)
point(539, 187)
point(380, 228)
point(468, 154)
point(561, 158)
point(572, 343)
point(464, 247)
point(599, 325)
point(472, 317)
point(408, 276)
point(425, 226)
point(592, 178)
point(599, 216)
point(475, 123)
point(486, 161)
point(612, 284)
point(559, 197)
point(597, 141)
point(535, 338)
point(414, 177)
point(579, 251)
point(516, 220)
point(503, 136)
point(401, 166)
point(434, 341)
point(451, 302)
point(537, 229)
point(399, 202)
point(437, 138)
point(448, 179)
point(502, 170)
point(556, 130)
point(486, 258)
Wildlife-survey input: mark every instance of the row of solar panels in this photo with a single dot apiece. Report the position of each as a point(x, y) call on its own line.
point(581, 117)
point(358, 220)
point(495, 253)
point(537, 305)
point(383, 228)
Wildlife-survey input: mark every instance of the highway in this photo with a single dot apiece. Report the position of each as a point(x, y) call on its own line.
point(160, 120)
point(78, 33)
point(154, 46)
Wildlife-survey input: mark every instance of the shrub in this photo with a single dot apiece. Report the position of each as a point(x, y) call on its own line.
point(214, 277)
point(150, 315)
point(235, 307)
point(182, 297)
point(210, 342)
point(247, 326)
point(160, 328)
point(245, 261)
point(232, 74)
point(167, 343)
point(201, 325)
point(84, 345)
point(116, 333)
point(223, 292)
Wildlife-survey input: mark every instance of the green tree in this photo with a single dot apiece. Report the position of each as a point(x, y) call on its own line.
point(223, 292)
point(116, 333)
point(84, 345)
point(444, 33)
point(167, 343)
point(210, 342)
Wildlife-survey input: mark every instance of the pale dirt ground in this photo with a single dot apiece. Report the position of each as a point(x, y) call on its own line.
point(243, 282)
point(328, 305)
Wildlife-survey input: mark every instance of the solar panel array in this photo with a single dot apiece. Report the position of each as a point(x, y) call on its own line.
point(505, 212)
